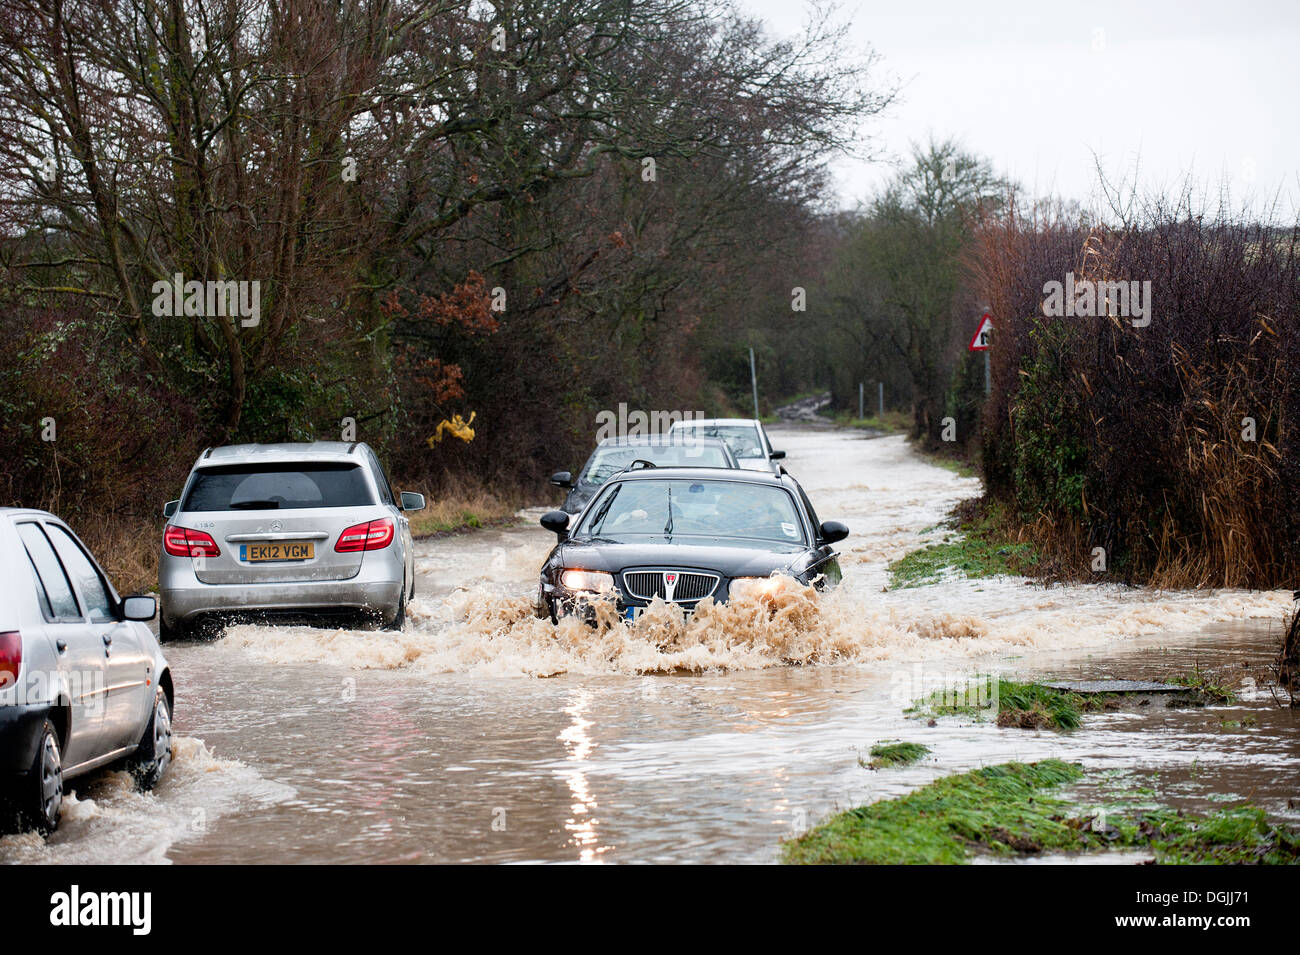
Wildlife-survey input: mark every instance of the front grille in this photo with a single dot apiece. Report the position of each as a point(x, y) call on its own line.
point(649, 584)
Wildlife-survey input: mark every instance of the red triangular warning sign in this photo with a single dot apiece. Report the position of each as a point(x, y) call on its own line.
point(980, 340)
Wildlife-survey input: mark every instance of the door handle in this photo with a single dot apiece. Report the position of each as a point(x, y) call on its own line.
point(108, 640)
point(62, 645)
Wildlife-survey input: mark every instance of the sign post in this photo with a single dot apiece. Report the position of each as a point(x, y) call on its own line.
point(980, 342)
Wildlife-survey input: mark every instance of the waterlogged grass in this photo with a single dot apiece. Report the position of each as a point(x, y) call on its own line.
point(977, 547)
point(996, 808)
point(1022, 705)
point(1009, 810)
point(1246, 722)
point(1206, 690)
point(1034, 706)
point(1241, 835)
point(888, 754)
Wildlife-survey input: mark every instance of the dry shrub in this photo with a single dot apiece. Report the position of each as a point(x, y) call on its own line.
point(1102, 434)
point(127, 549)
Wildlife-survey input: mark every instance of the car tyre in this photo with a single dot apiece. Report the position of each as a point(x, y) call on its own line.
point(154, 754)
point(399, 618)
point(172, 631)
point(40, 793)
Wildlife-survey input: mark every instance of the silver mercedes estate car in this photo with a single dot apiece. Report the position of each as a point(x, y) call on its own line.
point(302, 530)
point(83, 682)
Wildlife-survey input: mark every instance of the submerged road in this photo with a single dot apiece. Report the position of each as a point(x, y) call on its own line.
point(482, 734)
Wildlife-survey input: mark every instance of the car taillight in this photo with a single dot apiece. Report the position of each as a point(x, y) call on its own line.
point(183, 542)
point(11, 658)
point(372, 535)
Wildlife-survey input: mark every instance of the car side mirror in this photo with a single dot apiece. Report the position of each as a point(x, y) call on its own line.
point(777, 455)
point(412, 501)
point(557, 522)
point(832, 531)
point(562, 479)
point(139, 608)
point(170, 508)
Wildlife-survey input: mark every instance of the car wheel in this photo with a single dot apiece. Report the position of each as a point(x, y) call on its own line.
point(399, 618)
point(41, 796)
point(171, 631)
point(154, 754)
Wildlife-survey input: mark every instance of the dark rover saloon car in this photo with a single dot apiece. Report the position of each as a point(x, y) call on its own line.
point(683, 534)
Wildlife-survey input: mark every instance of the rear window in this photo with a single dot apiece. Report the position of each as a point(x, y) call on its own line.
point(242, 487)
point(606, 462)
point(743, 438)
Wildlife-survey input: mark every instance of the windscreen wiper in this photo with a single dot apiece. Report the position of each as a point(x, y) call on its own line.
point(254, 505)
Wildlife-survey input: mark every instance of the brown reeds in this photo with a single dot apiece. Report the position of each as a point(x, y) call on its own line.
point(1164, 444)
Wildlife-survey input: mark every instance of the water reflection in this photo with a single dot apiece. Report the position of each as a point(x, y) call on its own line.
point(578, 746)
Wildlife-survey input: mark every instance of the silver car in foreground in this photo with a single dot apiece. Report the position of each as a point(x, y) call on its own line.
point(83, 682)
point(286, 529)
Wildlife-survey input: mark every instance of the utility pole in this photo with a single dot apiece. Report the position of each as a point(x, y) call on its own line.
point(753, 378)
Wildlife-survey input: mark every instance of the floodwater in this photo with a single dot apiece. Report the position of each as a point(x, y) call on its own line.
point(483, 734)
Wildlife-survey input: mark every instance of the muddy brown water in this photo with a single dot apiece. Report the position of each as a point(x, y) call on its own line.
point(480, 734)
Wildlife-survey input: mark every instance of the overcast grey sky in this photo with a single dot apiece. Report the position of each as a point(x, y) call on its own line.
point(1157, 90)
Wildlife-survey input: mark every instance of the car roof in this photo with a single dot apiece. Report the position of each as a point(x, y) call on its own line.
point(658, 441)
point(25, 511)
point(287, 451)
point(706, 474)
point(707, 422)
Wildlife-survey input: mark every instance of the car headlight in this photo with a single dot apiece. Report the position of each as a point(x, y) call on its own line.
point(594, 580)
point(760, 587)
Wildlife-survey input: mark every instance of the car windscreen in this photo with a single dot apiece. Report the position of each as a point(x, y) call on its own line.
point(280, 486)
point(685, 508)
point(606, 462)
point(743, 439)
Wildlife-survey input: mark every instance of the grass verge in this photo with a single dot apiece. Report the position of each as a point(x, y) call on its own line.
point(891, 422)
point(461, 510)
point(979, 545)
point(957, 466)
point(1006, 810)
